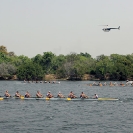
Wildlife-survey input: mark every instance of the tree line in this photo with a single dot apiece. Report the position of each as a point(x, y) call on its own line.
point(72, 66)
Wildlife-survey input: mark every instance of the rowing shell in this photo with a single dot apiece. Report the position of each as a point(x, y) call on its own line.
point(85, 99)
point(63, 99)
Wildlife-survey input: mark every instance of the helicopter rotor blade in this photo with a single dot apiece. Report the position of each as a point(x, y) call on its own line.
point(103, 25)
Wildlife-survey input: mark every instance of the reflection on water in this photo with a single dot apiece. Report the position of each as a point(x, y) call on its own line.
point(66, 116)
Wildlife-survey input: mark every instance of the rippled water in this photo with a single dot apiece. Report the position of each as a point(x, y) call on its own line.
point(40, 116)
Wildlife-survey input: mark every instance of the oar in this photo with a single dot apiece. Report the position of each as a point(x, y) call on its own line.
point(1, 98)
point(22, 97)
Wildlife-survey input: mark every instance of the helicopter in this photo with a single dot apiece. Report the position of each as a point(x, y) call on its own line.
point(108, 29)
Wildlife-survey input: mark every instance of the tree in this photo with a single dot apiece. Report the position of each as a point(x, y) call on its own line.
point(47, 61)
point(103, 66)
point(122, 65)
point(76, 65)
point(24, 59)
point(86, 55)
point(3, 49)
point(58, 62)
point(30, 71)
point(11, 54)
point(7, 70)
point(37, 59)
point(4, 58)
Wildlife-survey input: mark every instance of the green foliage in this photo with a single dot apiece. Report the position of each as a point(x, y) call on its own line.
point(103, 66)
point(47, 61)
point(71, 66)
point(75, 66)
point(114, 67)
point(24, 59)
point(30, 71)
point(4, 58)
point(37, 59)
point(7, 70)
point(123, 66)
point(85, 55)
point(57, 63)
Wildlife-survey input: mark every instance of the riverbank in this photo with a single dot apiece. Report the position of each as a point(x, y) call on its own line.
point(84, 78)
point(53, 77)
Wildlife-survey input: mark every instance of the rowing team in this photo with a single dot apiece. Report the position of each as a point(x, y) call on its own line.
point(49, 95)
point(110, 84)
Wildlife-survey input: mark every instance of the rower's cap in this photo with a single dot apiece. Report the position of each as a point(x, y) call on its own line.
point(59, 91)
point(49, 91)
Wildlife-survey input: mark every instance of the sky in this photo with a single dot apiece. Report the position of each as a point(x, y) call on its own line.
point(31, 27)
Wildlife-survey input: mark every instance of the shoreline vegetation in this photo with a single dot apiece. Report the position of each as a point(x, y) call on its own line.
point(52, 77)
point(48, 67)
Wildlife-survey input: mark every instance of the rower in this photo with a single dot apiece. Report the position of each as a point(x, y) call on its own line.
point(60, 95)
point(49, 95)
point(71, 95)
point(100, 84)
point(17, 94)
point(39, 95)
point(27, 95)
point(95, 96)
point(111, 84)
point(7, 94)
point(121, 84)
point(83, 95)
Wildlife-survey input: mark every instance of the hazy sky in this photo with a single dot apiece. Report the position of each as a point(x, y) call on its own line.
point(31, 27)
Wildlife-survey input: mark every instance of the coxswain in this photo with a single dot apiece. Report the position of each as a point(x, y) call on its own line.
point(71, 95)
point(27, 95)
point(7, 94)
point(60, 95)
point(95, 96)
point(17, 94)
point(83, 95)
point(39, 95)
point(49, 95)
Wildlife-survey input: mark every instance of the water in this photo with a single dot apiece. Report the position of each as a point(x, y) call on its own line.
point(40, 116)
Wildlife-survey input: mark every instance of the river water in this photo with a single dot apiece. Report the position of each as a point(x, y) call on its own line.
point(40, 116)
